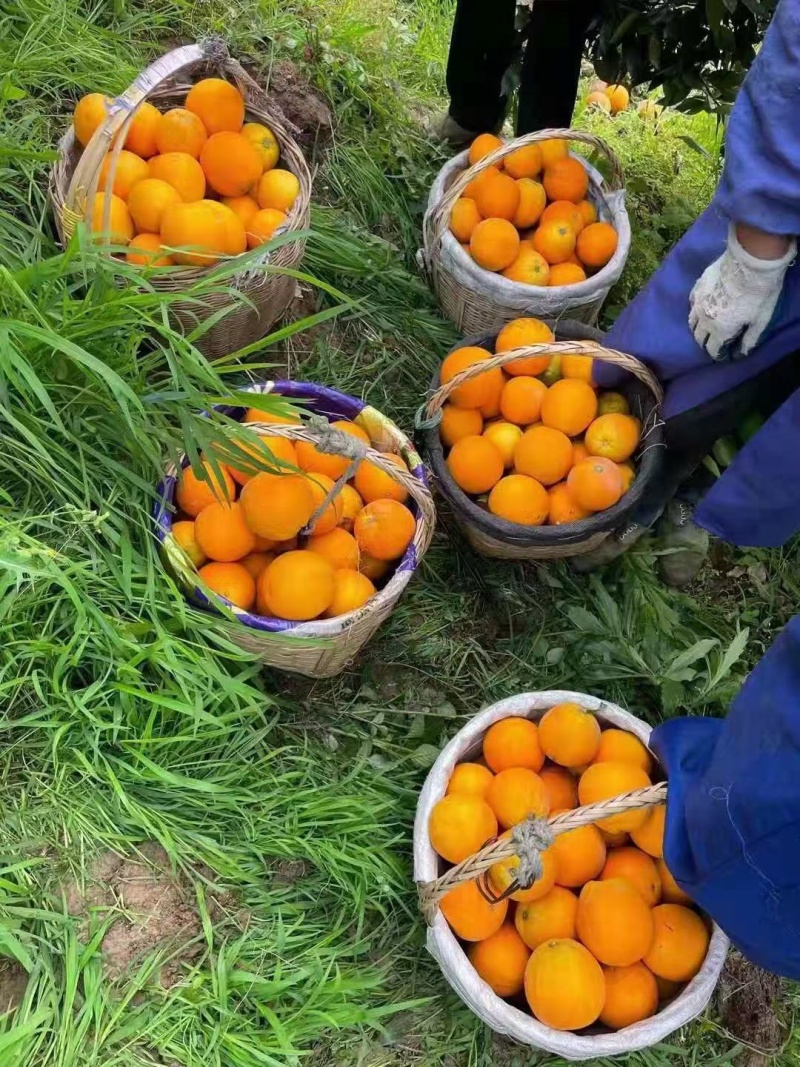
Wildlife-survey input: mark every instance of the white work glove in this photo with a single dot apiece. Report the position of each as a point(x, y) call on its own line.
point(736, 296)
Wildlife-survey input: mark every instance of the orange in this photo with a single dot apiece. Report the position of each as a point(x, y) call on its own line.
point(543, 453)
point(297, 586)
point(552, 916)
point(588, 212)
point(464, 218)
point(263, 224)
point(470, 914)
point(613, 436)
point(143, 131)
point(566, 274)
point(612, 404)
point(148, 201)
point(145, 251)
point(518, 498)
point(600, 101)
point(321, 486)
point(351, 506)
point(351, 591)
point(614, 922)
point(193, 493)
point(569, 735)
point(483, 144)
point(648, 110)
point(633, 866)
point(529, 268)
point(566, 179)
point(374, 484)
point(353, 429)
point(650, 835)
point(579, 452)
point(256, 562)
point(183, 532)
point(222, 532)
point(516, 793)
point(604, 780)
point(256, 415)
point(580, 855)
point(180, 131)
point(374, 569)
point(520, 333)
point(278, 189)
point(513, 742)
point(562, 508)
point(595, 483)
point(218, 104)
point(666, 989)
point(129, 170)
point(631, 995)
point(532, 200)
point(470, 187)
point(260, 452)
point(337, 546)
point(460, 824)
point(618, 97)
point(578, 367)
point(475, 464)
point(504, 435)
point(504, 873)
point(561, 788)
point(680, 943)
point(459, 422)
point(384, 529)
point(182, 172)
point(569, 406)
point(521, 400)
point(552, 150)
point(564, 985)
point(471, 778)
point(619, 746)
point(564, 211)
point(491, 409)
point(525, 162)
point(90, 112)
point(596, 244)
point(615, 840)
point(500, 960)
point(119, 229)
point(277, 506)
point(264, 141)
point(230, 163)
point(232, 581)
point(555, 241)
point(244, 207)
point(201, 232)
point(671, 892)
point(494, 244)
point(477, 390)
point(309, 458)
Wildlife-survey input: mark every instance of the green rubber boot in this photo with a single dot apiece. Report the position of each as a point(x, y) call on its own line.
point(444, 128)
point(686, 541)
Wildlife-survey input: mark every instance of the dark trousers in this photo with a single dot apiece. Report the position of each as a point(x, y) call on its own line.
point(483, 49)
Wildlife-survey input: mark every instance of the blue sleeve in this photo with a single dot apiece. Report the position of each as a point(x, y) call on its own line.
point(760, 183)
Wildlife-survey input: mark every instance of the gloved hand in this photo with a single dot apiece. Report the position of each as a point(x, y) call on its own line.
point(736, 294)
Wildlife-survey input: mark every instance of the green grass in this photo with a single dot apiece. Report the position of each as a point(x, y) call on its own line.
point(128, 716)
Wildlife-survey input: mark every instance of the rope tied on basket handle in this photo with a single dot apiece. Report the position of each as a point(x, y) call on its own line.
point(531, 838)
point(214, 48)
point(334, 442)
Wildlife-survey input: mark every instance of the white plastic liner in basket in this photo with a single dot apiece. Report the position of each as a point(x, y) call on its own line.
point(445, 948)
point(539, 301)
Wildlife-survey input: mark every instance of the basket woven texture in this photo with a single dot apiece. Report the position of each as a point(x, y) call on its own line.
point(477, 300)
point(258, 296)
point(324, 647)
point(500, 539)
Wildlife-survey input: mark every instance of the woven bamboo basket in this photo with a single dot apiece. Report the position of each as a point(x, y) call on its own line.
point(324, 647)
point(257, 296)
point(501, 539)
point(434, 881)
point(478, 300)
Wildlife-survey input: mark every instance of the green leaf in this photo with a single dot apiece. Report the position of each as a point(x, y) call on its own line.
point(732, 654)
point(699, 650)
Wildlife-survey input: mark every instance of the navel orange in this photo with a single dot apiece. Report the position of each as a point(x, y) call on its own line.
point(218, 104)
point(297, 586)
point(232, 581)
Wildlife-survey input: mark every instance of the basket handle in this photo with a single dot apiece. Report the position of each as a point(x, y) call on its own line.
point(503, 848)
point(437, 219)
point(551, 348)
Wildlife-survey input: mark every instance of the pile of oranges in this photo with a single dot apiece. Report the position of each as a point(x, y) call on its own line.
point(529, 217)
point(191, 184)
point(605, 934)
point(609, 98)
point(530, 452)
point(242, 528)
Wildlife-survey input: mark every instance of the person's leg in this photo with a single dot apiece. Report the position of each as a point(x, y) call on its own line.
point(552, 63)
point(481, 51)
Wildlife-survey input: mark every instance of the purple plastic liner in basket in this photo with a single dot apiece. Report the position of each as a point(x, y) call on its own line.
point(322, 401)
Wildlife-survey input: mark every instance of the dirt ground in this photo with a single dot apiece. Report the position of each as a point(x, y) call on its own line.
point(748, 997)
